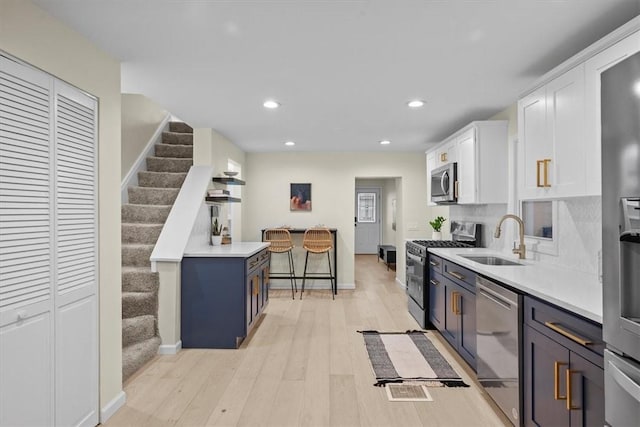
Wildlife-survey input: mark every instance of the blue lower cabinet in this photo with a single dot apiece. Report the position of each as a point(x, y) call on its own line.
point(563, 368)
point(221, 299)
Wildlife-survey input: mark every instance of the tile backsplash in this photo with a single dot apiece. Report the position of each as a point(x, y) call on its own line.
point(579, 231)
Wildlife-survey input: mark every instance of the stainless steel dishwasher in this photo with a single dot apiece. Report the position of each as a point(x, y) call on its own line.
point(498, 320)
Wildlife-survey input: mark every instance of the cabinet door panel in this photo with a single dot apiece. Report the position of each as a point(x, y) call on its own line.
point(467, 322)
point(541, 354)
point(587, 392)
point(467, 177)
point(565, 118)
point(534, 144)
point(450, 330)
point(436, 301)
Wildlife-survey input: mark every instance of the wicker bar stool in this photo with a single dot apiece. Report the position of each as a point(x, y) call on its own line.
point(281, 243)
point(318, 241)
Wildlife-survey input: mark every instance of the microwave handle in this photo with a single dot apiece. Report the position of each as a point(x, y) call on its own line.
point(444, 174)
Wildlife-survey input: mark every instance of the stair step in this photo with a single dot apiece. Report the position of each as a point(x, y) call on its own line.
point(136, 304)
point(174, 150)
point(156, 214)
point(136, 255)
point(161, 179)
point(141, 233)
point(152, 196)
point(180, 127)
point(177, 138)
point(168, 164)
point(138, 329)
point(139, 279)
point(135, 356)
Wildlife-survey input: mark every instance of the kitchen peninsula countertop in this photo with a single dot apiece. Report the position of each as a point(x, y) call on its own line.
point(577, 292)
point(233, 250)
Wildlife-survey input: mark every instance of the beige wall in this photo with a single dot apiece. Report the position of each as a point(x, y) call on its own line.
point(140, 119)
point(333, 177)
point(29, 33)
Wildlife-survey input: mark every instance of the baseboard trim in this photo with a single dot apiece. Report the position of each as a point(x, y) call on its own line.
point(112, 407)
point(167, 349)
point(131, 179)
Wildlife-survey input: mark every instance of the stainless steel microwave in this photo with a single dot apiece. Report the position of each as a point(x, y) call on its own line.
point(443, 182)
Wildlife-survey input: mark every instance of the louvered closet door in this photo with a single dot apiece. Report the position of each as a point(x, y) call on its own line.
point(26, 247)
point(76, 376)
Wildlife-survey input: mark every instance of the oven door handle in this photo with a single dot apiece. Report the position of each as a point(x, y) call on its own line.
point(415, 258)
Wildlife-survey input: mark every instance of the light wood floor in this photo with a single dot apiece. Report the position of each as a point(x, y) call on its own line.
point(305, 365)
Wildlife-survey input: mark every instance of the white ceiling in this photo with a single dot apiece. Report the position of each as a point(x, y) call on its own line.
point(342, 69)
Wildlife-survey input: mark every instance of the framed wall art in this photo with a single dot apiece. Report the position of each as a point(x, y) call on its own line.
point(300, 198)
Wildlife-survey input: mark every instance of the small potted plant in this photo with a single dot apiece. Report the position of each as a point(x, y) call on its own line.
point(437, 226)
point(216, 233)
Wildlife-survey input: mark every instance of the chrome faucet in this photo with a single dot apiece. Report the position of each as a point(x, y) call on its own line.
point(521, 250)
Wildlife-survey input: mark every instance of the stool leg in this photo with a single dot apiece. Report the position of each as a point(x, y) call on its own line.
point(293, 271)
point(304, 275)
point(333, 293)
point(290, 275)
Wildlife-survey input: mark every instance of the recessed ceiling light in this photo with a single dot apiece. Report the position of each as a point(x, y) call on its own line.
point(385, 142)
point(416, 103)
point(271, 104)
point(290, 143)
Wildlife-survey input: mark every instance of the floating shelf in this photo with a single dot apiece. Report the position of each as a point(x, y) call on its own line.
point(222, 199)
point(227, 180)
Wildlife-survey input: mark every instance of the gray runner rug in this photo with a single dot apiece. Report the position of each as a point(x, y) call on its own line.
point(408, 356)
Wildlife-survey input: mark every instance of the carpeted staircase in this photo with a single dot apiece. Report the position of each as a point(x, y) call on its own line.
point(142, 220)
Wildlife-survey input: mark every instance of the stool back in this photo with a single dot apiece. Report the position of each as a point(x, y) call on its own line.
point(317, 240)
point(279, 238)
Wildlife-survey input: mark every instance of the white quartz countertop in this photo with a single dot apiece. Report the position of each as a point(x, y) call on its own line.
point(234, 250)
point(574, 291)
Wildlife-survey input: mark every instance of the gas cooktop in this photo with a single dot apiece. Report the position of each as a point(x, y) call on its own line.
point(443, 244)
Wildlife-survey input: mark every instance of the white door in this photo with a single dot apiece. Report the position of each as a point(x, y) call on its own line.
point(48, 249)
point(76, 330)
point(367, 220)
point(26, 242)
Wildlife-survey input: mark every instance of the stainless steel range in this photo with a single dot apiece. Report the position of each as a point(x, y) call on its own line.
point(464, 235)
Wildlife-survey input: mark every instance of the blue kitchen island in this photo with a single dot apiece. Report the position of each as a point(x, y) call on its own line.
point(224, 291)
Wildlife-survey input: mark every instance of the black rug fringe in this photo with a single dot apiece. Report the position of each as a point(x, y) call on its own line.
point(409, 331)
point(445, 383)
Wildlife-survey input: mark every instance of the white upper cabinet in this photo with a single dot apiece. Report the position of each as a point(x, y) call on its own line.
point(551, 135)
point(480, 151)
point(593, 68)
point(559, 123)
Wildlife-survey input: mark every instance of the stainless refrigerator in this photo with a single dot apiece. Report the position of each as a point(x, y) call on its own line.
point(620, 95)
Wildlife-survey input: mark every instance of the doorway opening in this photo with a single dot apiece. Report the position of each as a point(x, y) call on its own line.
point(375, 214)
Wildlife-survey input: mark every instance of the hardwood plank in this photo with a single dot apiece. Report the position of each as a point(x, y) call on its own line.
point(304, 364)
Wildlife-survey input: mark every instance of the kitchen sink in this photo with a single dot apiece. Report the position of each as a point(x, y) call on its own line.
point(490, 260)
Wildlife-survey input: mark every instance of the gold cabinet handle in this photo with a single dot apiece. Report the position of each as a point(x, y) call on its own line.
point(433, 263)
point(255, 285)
point(456, 189)
point(538, 163)
point(546, 172)
point(266, 275)
point(556, 380)
point(553, 326)
point(456, 275)
point(453, 302)
point(458, 309)
point(569, 403)
point(443, 157)
point(434, 282)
